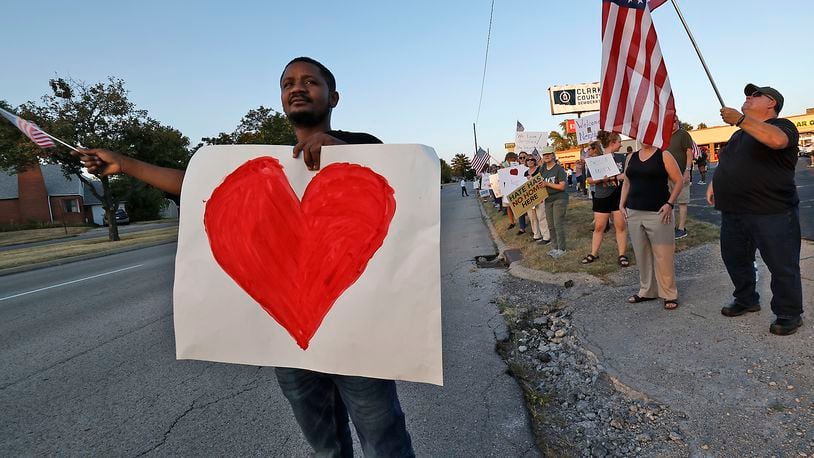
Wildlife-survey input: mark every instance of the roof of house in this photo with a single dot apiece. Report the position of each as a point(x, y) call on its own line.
point(57, 184)
point(89, 198)
point(8, 184)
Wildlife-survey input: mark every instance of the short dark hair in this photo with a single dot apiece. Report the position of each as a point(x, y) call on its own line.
point(329, 77)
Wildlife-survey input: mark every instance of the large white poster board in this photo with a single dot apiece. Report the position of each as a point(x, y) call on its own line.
point(529, 141)
point(602, 166)
point(587, 128)
point(511, 178)
point(338, 272)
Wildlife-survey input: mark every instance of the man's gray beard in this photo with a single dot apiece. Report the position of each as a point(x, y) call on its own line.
point(307, 119)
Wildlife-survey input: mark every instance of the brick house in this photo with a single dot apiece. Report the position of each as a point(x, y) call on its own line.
point(42, 194)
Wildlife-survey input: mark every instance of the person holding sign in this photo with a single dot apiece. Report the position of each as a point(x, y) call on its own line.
point(321, 403)
point(556, 203)
point(647, 204)
point(536, 214)
point(606, 197)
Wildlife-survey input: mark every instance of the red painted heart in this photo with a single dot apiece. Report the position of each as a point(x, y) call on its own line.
point(296, 258)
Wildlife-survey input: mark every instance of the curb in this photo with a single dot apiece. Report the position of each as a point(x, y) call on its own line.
point(84, 257)
point(519, 271)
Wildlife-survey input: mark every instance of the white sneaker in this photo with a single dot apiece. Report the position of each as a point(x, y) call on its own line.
point(558, 254)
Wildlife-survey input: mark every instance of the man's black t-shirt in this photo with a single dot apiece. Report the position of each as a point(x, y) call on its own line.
point(753, 178)
point(354, 138)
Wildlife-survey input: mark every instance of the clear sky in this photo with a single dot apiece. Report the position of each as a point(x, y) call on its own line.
point(407, 72)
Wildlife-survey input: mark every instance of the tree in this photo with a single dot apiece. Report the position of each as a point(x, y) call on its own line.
point(461, 166)
point(98, 115)
point(686, 126)
point(701, 125)
point(564, 140)
point(446, 172)
point(260, 126)
point(144, 202)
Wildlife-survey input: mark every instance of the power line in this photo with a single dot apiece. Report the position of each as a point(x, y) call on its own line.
point(485, 60)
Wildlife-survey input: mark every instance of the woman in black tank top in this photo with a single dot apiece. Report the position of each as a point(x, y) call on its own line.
point(647, 205)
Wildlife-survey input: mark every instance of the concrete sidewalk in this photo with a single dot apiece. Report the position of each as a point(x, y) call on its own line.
point(744, 391)
point(480, 410)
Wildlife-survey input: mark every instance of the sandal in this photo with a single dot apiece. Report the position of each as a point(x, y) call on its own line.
point(589, 259)
point(635, 299)
point(670, 304)
point(624, 261)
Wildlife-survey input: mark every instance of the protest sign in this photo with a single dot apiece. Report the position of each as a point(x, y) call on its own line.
point(484, 181)
point(602, 166)
point(334, 271)
point(511, 178)
point(587, 128)
point(484, 193)
point(494, 184)
point(530, 141)
point(528, 195)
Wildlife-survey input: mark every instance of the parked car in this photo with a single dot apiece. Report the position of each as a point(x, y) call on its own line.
point(121, 217)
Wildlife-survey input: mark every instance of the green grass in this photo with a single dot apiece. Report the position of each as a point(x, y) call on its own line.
point(579, 229)
point(38, 235)
point(36, 255)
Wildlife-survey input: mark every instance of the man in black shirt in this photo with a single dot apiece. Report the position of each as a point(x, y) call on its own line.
point(321, 402)
point(755, 191)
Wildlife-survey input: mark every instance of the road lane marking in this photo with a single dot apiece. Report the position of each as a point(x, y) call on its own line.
point(70, 282)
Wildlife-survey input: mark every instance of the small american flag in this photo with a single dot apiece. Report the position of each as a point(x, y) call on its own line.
point(479, 160)
point(696, 151)
point(520, 127)
point(29, 129)
point(636, 97)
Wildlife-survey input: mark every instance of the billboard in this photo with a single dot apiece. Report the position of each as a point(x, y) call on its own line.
point(574, 98)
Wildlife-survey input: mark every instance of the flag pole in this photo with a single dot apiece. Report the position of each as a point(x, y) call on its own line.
point(698, 51)
point(60, 141)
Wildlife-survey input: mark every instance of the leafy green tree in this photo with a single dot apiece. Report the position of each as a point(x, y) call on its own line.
point(143, 201)
point(98, 115)
point(562, 140)
point(461, 166)
point(701, 125)
point(446, 172)
point(686, 126)
point(260, 126)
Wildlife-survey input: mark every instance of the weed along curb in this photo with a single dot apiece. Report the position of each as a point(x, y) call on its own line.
point(577, 408)
point(569, 279)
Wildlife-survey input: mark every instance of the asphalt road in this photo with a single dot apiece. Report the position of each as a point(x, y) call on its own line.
point(804, 177)
point(88, 366)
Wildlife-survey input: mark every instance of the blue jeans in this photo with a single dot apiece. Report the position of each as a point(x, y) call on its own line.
point(522, 222)
point(778, 239)
point(322, 402)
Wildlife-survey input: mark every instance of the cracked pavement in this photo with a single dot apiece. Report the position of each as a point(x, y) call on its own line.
point(89, 368)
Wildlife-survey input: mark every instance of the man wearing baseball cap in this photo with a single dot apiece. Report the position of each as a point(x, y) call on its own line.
point(755, 191)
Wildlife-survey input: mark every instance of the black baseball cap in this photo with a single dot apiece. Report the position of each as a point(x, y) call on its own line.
point(770, 91)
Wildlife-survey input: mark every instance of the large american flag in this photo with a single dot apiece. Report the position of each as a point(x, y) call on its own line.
point(479, 160)
point(636, 98)
point(29, 129)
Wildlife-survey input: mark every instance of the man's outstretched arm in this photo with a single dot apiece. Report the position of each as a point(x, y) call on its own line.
point(103, 162)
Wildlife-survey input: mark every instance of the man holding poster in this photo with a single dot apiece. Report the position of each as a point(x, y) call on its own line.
point(321, 402)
